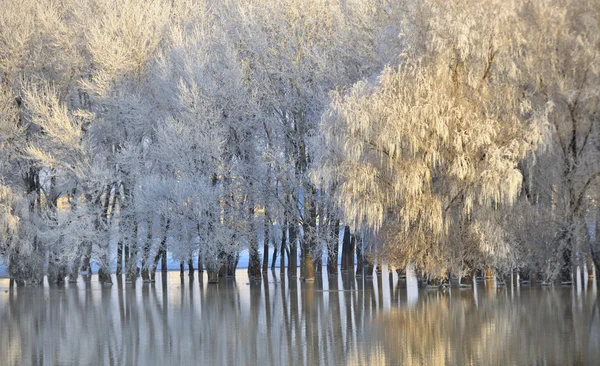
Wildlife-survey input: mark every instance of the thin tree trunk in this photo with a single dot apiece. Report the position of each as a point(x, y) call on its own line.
point(282, 250)
point(274, 257)
point(190, 267)
point(265, 265)
point(293, 255)
point(345, 248)
point(359, 257)
point(104, 270)
point(146, 252)
point(350, 257)
point(162, 251)
point(332, 253)
point(200, 265)
point(120, 256)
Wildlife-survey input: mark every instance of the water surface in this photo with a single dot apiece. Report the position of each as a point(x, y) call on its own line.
point(335, 321)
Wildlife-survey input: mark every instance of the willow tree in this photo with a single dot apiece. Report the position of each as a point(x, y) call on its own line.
point(432, 146)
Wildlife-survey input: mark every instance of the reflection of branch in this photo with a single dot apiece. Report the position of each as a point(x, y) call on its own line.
point(594, 308)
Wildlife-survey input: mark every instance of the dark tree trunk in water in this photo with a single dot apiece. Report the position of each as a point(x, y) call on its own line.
point(282, 248)
point(120, 257)
point(309, 239)
point(359, 257)
point(345, 248)
point(332, 253)
point(190, 267)
point(162, 252)
point(350, 257)
point(57, 270)
point(75, 268)
point(126, 256)
point(274, 258)
point(595, 254)
point(319, 263)
point(265, 266)
point(132, 268)
point(181, 268)
point(213, 276)
point(254, 270)
point(367, 268)
point(229, 264)
point(200, 265)
point(146, 253)
point(293, 257)
point(566, 270)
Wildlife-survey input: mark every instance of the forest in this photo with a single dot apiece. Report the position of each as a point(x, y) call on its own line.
point(453, 136)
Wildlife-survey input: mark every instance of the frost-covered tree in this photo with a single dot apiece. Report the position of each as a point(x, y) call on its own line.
point(433, 144)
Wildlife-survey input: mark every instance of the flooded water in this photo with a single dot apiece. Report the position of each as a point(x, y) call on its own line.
point(338, 321)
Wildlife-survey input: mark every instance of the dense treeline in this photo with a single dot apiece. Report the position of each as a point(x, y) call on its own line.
point(451, 135)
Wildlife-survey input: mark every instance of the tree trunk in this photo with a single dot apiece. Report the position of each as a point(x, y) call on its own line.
point(146, 252)
point(309, 250)
point(367, 267)
point(213, 276)
point(345, 248)
point(120, 257)
point(293, 256)
point(265, 265)
point(200, 265)
point(162, 252)
point(190, 267)
point(254, 270)
point(274, 258)
point(566, 271)
point(132, 268)
point(332, 253)
point(309, 267)
point(350, 257)
point(282, 248)
point(359, 257)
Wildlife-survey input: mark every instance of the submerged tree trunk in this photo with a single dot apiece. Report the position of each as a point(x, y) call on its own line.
point(274, 257)
point(566, 271)
point(254, 270)
point(132, 269)
point(265, 266)
point(345, 248)
point(282, 248)
point(309, 267)
point(309, 250)
point(200, 265)
point(104, 270)
point(190, 267)
point(332, 253)
point(146, 252)
point(359, 257)
point(213, 275)
point(350, 256)
point(162, 252)
point(293, 256)
point(120, 256)
point(367, 267)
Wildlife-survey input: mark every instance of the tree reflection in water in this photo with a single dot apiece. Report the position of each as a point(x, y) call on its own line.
point(333, 321)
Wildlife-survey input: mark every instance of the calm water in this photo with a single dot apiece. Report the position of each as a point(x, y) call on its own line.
point(346, 322)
